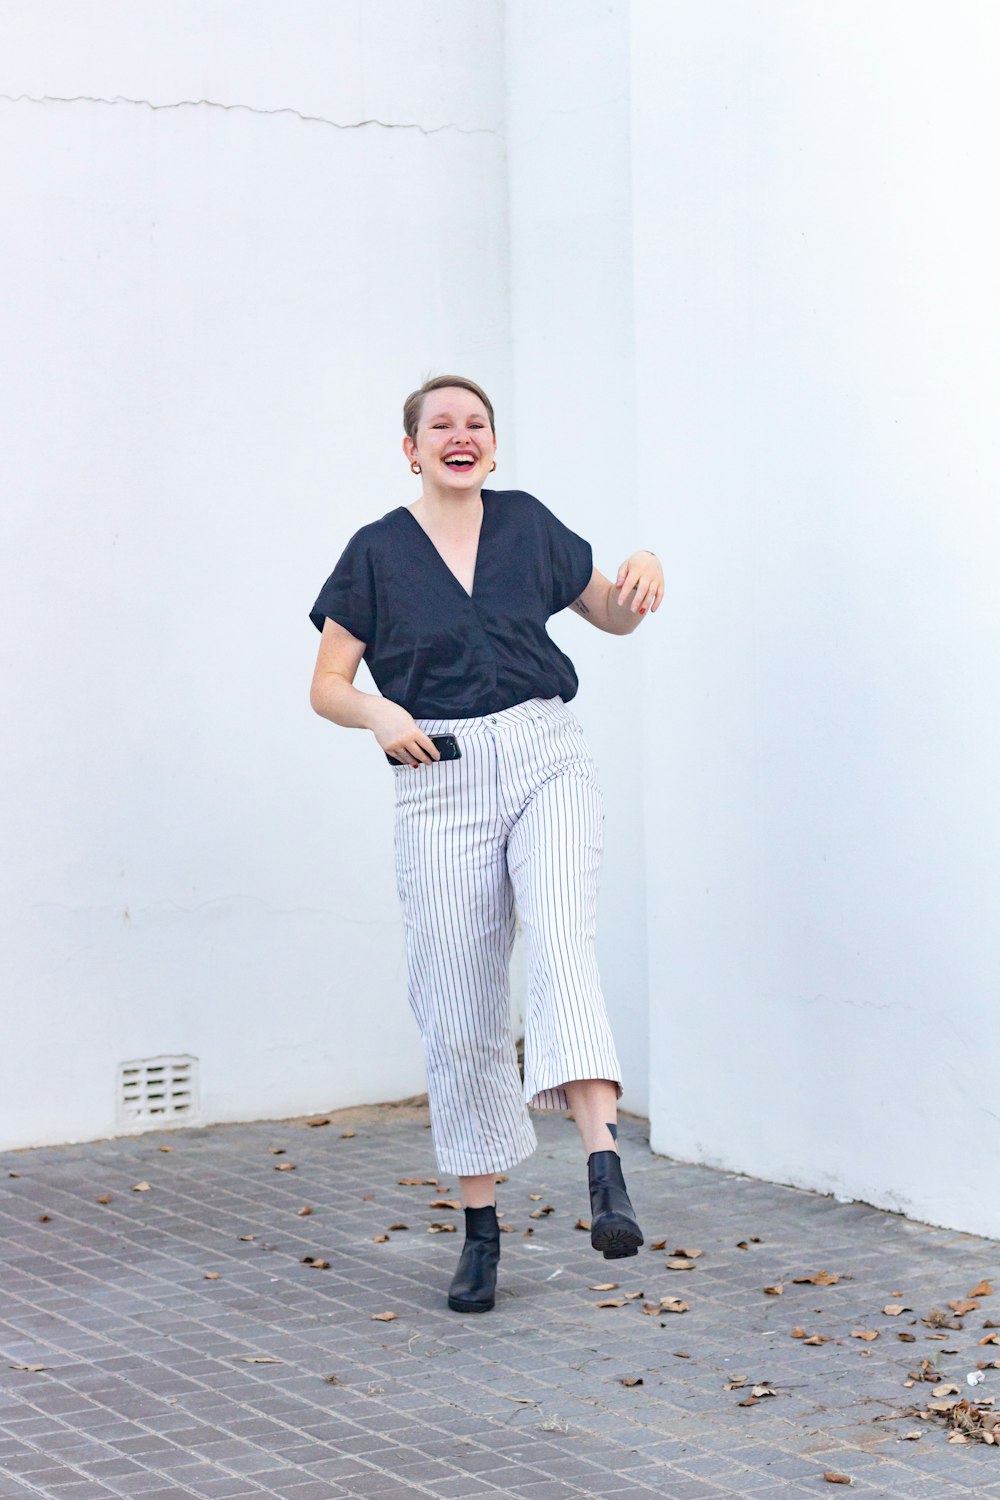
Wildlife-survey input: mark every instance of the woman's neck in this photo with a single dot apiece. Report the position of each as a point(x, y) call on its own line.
point(456, 514)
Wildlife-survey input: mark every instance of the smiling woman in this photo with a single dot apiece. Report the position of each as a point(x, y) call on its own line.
point(447, 600)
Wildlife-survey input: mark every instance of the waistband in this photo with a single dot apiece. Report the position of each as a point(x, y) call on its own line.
point(532, 711)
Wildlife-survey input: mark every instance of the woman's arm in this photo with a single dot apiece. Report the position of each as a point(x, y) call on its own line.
point(334, 696)
point(639, 586)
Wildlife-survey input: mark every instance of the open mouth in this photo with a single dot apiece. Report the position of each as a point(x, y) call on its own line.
point(461, 461)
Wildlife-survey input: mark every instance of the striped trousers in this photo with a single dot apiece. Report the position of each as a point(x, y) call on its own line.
point(517, 820)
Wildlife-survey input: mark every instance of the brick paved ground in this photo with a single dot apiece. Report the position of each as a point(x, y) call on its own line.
point(160, 1382)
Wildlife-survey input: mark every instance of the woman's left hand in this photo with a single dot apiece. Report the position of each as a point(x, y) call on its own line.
point(641, 576)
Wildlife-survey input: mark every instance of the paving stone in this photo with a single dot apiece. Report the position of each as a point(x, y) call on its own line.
point(148, 1389)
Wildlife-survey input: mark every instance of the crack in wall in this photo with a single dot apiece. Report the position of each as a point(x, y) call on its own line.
point(250, 108)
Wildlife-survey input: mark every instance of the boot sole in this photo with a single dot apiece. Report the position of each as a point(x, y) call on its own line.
point(469, 1307)
point(616, 1236)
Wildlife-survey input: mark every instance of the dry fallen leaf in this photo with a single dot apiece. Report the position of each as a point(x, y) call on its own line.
point(658, 1245)
point(521, 1400)
point(981, 1289)
point(45, 1218)
point(303, 1211)
point(689, 1254)
point(673, 1305)
point(257, 1359)
point(318, 1120)
point(910, 1437)
point(379, 1239)
point(832, 1477)
point(540, 1213)
point(332, 1379)
point(582, 1224)
point(817, 1339)
point(946, 1389)
point(415, 1182)
point(441, 1229)
point(315, 1262)
point(501, 1179)
point(246, 1237)
point(397, 1227)
point(822, 1278)
point(285, 1166)
point(446, 1203)
point(165, 1148)
point(535, 1197)
point(798, 1333)
point(906, 1338)
point(529, 1231)
point(864, 1333)
point(736, 1384)
point(776, 1290)
point(104, 1198)
point(680, 1263)
point(348, 1135)
point(35, 1369)
point(893, 1309)
point(990, 1338)
point(506, 1229)
point(605, 1286)
point(963, 1305)
point(631, 1380)
point(632, 1296)
point(386, 1317)
point(651, 1309)
point(276, 1150)
point(763, 1388)
point(211, 1276)
point(611, 1302)
point(140, 1187)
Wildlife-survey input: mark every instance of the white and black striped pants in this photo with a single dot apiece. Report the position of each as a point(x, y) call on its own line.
point(519, 818)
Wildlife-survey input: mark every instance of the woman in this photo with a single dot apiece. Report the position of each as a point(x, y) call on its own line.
point(447, 599)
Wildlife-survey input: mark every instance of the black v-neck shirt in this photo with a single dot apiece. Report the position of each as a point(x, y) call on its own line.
point(439, 651)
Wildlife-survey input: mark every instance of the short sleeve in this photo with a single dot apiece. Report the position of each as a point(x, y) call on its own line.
point(348, 595)
point(571, 562)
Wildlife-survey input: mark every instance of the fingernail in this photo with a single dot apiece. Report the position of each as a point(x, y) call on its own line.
point(642, 611)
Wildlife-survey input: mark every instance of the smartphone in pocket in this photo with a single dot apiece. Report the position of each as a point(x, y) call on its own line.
point(446, 744)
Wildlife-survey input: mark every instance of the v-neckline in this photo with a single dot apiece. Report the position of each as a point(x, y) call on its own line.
point(466, 593)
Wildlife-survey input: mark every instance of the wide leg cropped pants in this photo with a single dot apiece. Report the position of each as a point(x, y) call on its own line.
point(518, 819)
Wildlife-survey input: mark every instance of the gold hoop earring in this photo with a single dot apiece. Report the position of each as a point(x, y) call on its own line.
point(493, 466)
point(414, 467)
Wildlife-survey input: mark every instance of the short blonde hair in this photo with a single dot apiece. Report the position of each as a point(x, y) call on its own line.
point(413, 405)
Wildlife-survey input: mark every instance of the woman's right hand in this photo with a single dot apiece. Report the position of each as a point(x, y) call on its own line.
point(400, 737)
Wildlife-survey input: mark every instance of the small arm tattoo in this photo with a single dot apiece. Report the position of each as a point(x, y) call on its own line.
point(579, 604)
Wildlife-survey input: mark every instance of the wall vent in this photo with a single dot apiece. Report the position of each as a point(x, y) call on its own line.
point(157, 1091)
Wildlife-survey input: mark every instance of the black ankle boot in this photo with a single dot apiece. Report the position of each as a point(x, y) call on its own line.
point(474, 1283)
point(613, 1226)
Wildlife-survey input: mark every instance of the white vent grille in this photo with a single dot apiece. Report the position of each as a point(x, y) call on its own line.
point(157, 1090)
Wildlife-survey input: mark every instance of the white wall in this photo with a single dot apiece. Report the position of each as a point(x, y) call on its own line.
point(816, 322)
point(727, 270)
point(573, 410)
point(217, 311)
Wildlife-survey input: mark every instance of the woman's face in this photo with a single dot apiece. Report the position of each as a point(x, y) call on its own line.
point(454, 445)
